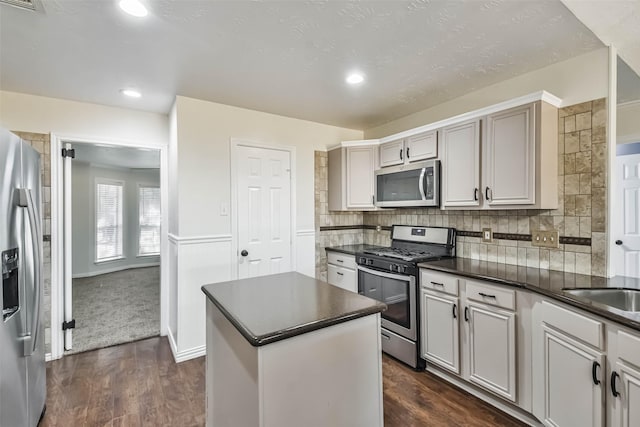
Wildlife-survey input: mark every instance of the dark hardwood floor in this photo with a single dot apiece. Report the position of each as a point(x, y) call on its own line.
point(138, 384)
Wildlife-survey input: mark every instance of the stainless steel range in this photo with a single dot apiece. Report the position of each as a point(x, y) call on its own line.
point(390, 275)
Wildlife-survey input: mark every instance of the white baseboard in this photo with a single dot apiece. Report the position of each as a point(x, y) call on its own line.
point(114, 269)
point(183, 356)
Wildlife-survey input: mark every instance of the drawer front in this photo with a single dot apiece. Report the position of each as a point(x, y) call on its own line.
point(342, 277)
point(342, 260)
point(574, 324)
point(439, 282)
point(493, 295)
point(629, 348)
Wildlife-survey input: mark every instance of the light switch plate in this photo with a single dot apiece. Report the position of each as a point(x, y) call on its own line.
point(487, 235)
point(545, 239)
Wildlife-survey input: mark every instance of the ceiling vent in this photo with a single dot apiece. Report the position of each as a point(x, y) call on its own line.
point(23, 4)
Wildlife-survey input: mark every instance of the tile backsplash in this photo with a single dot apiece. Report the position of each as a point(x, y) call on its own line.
point(581, 212)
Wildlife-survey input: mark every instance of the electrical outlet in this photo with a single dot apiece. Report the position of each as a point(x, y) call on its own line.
point(545, 239)
point(487, 235)
point(378, 228)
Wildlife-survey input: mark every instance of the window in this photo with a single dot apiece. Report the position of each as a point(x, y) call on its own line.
point(109, 223)
point(149, 219)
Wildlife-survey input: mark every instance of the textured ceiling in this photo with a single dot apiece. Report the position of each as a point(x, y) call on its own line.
point(284, 57)
point(615, 22)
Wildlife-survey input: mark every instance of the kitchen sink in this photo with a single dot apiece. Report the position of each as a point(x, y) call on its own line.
point(622, 299)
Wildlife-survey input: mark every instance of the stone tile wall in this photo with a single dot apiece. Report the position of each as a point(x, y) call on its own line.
point(582, 208)
point(41, 143)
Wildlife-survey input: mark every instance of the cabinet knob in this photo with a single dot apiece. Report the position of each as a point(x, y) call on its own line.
point(618, 242)
point(244, 252)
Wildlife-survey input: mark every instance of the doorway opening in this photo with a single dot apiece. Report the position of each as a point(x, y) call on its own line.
point(112, 218)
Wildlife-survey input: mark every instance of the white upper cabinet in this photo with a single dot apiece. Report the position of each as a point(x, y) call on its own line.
point(411, 149)
point(461, 164)
point(513, 162)
point(509, 158)
point(351, 176)
point(422, 146)
point(392, 153)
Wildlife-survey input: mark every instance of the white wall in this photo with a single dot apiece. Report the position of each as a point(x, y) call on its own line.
point(30, 113)
point(83, 212)
point(204, 133)
point(628, 120)
point(201, 237)
point(575, 80)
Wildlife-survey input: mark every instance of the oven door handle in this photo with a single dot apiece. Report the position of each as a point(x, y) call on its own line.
point(401, 277)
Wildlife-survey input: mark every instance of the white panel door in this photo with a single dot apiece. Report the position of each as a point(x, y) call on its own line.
point(361, 163)
point(571, 396)
point(628, 406)
point(509, 157)
point(626, 225)
point(440, 330)
point(392, 153)
point(422, 146)
point(264, 211)
point(492, 349)
point(461, 164)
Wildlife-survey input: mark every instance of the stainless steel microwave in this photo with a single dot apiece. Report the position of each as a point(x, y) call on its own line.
point(411, 185)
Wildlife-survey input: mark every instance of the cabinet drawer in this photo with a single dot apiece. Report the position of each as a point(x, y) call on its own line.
point(493, 295)
point(629, 348)
point(342, 277)
point(342, 260)
point(576, 325)
point(439, 282)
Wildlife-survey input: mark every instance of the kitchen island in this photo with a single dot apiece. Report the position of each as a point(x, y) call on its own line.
point(290, 350)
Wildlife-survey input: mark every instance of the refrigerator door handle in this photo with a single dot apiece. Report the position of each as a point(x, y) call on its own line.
point(26, 201)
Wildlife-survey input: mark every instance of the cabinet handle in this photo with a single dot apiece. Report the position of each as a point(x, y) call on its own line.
point(373, 199)
point(401, 150)
point(614, 390)
point(482, 294)
point(437, 284)
point(466, 314)
point(475, 194)
point(339, 260)
point(386, 337)
point(486, 193)
point(594, 373)
point(407, 153)
point(340, 274)
point(455, 311)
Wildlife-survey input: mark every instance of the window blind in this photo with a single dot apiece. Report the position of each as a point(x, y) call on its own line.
point(109, 228)
point(149, 217)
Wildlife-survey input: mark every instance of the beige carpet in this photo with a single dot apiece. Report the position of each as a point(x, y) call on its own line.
point(116, 308)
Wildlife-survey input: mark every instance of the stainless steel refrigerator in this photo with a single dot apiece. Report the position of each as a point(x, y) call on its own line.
point(22, 367)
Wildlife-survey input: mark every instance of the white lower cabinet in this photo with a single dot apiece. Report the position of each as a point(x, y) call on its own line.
point(341, 271)
point(572, 377)
point(440, 330)
point(489, 357)
point(625, 383)
point(492, 349)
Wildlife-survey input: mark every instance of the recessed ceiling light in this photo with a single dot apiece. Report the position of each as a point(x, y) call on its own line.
point(133, 7)
point(131, 93)
point(355, 78)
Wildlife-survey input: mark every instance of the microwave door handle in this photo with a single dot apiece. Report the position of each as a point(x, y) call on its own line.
point(26, 201)
point(421, 184)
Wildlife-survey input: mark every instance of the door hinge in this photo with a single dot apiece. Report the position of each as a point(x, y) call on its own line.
point(69, 325)
point(69, 153)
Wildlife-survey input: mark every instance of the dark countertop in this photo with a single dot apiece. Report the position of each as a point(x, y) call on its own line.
point(350, 249)
point(272, 308)
point(545, 282)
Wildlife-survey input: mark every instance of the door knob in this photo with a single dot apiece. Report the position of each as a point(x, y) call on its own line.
point(244, 252)
point(618, 242)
